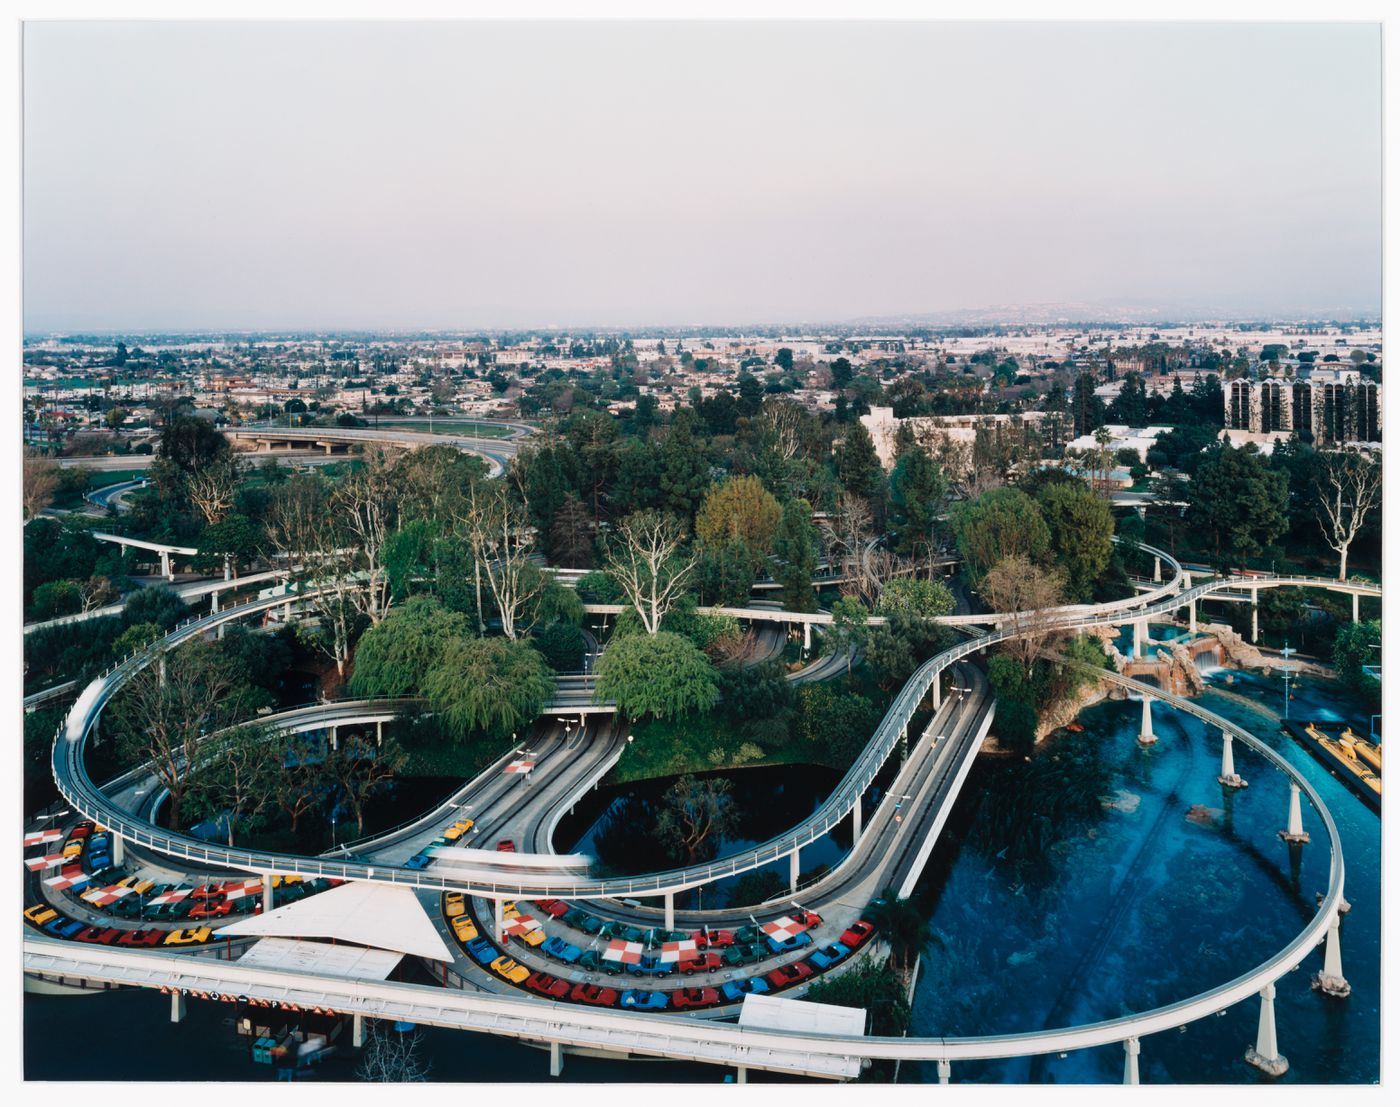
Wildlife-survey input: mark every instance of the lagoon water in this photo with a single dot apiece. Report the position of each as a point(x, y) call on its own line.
point(1065, 890)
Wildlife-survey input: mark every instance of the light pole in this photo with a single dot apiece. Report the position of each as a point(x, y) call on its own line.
point(1287, 671)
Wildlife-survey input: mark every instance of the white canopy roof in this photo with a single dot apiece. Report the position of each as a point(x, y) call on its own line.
point(351, 962)
point(367, 913)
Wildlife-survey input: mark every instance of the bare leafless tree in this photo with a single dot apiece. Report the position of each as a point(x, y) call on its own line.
point(392, 1058)
point(501, 538)
point(647, 561)
point(40, 481)
point(211, 488)
point(96, 591)
point(1029, 593)
point(1348, 487)
point(846, 534)
point(365, 503)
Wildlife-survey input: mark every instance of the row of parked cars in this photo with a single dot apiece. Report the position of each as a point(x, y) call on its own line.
point(719, 949)
point(51, 921)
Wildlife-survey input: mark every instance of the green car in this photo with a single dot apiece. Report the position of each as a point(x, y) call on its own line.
point(742, 955)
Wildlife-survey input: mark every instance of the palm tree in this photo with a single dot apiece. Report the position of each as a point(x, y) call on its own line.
point(902, 925)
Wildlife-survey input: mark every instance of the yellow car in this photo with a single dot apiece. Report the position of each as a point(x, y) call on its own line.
point(504, 966)
point(464, 928)
point(194, 936)
point(126, 882)
point(509, 910)
point(279, 881)
point(40, 913)
point(532, 937)
point(457, 829)
point(141, 887)
point(454, 904)
point(73, 849)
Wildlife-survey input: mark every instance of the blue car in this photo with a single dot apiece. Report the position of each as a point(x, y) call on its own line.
point(651, 965)
point(561, 950)
point(482, 951)
point(63, 927)
point(98, 859)
point(637, 1000)
point(797, 941)
point(735, 990)
point(417, 861)
point(823, 959)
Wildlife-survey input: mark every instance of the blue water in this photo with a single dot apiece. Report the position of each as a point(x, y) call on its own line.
point(1144, 907)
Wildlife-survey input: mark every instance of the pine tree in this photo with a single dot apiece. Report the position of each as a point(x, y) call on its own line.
point(795, 553)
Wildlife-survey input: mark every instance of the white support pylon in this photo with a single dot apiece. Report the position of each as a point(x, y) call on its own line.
point(670, 902)
point(1131, 1048)
point(1145, 735)
point(500, 921)
point(118, 849)
point(1137, 639)
point(1254, 616)
point(1295, 831)
point(937, 690)
point(1356, 607)
point(177, 1006)
point(267, 893)
point(794, 862)
point(556, 1058)
point(806, 636)
point(855, 824)
point(1228, 776)
point(945, 1071)
point(1192, 608)
point(1330, 980)
point(1264, 1054)
point(1156, 570)
point(357, 1030)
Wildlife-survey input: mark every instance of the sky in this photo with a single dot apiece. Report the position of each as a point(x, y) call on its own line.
point(510, 175)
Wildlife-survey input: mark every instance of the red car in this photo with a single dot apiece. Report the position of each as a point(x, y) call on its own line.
point(789, 975)
point(211, 909)
point(857, 934)
point(141, 938)
point(682, 998)
point(716, 939)
point(592, 994)
point(541, 983)
point(706, 962)
point(808, 919)
point(554, 908)
point(207, 891)
point(505, 845)
point(98, 935)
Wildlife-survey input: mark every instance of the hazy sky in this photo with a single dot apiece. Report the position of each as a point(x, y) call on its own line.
point(499, 175)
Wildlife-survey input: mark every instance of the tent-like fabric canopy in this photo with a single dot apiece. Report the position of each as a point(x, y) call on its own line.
point(365, 912)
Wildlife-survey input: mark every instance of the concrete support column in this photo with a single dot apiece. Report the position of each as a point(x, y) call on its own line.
point(945, 1071)
point(1295, 831)
point(1356, 607)
point(213, 603)
point(1192, 608)
point(335, 738)
point(500, 921)
point(1228, 776)
point(267, 892)
point(228, 569)
point(670, 901)
point(1145, 735)
point(794, 862)
point(741, 1075)
point(556, 1058)
point(165, 569)
point(1254, 616)
point(177, 1006)
point(357, 1030)
point(1137, 639)
point(806, 636)
point(1330, 980)
point(1185, 580)
point(937, 691)
point(1157, 570)
point(856, 815)
point(1265, 1055)
point(1131, 1048)
point(328, 447)
point(118, 849)
point(379, 735)
point(160, 668)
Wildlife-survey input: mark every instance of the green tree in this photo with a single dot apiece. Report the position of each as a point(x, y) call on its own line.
point(1081, 534)
point(393, 658)
point(562, 645)
point(740, 509)
point(1238, 503)
point(359, 769)
point(919, 494)
point(875, 989)
point(1357, 645)
point(915, 599)
point(795, 556)
point(661, 674)
point(235, 780)
point(902, 925)
point(695, 813)
point(235, 537)
point(858, 465)
point(490, 685)
point(848, 627)
point(55, 598)
point(136, 637)
point(998, 524)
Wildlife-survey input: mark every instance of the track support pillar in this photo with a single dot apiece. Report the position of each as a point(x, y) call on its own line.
point(177, 1006)
point(1264, 1055)
point(945, 1071)
point(794, 862)
point(1145, 735)
point(670, 901)
point(1330, 980)
point(556, 1058)
point(1295, 831)
point(1131, 1048)
point(357, 1030)
point(1228, 776)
